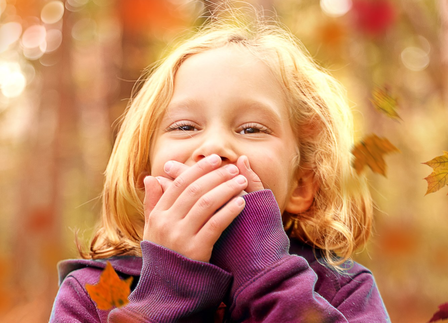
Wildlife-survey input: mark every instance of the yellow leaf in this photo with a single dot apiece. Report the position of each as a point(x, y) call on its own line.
point(370, 151)
point(439, 177)
point(384, 102)
point(110, 291)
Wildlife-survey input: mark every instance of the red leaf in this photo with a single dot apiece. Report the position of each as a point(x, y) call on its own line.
point(441, 314)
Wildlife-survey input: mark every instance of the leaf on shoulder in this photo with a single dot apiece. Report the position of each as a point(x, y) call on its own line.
point(111, 291)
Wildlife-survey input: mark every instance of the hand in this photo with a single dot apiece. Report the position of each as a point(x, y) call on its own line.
point(190, 215)
point(254, 182)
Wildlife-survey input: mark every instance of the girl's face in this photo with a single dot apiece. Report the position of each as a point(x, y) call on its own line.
point(227, 102)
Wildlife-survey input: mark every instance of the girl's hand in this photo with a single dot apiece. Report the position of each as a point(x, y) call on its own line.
point(254, 182)
point(195, 209)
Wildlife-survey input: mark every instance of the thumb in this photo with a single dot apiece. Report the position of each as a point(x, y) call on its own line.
point(153, 192)
point(254, 182)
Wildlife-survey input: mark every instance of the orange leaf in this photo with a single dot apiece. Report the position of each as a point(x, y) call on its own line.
point(110, 291)
point(439, 177)
point(370, 152)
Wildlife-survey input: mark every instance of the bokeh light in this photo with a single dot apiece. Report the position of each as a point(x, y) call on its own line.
point(52, 12)
point(9, 34)
point(12, 81)
point(53, 39)
point(34, 36)
point(34, 42)
point(415, 58)
point(336, 8)
point(84, 30)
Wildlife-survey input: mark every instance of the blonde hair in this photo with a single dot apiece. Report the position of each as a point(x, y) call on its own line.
point(338, 222)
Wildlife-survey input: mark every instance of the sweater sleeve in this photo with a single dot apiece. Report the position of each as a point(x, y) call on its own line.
point(270, 285)
point(171, 288)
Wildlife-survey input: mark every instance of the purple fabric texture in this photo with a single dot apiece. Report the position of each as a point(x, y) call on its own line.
point(254, 269)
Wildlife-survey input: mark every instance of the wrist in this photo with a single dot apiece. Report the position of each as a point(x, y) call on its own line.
point(255, 239)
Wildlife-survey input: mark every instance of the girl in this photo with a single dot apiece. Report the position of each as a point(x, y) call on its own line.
point(230, 182)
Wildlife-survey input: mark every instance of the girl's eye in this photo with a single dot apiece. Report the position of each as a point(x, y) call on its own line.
point(182, 126)
point(253, 129)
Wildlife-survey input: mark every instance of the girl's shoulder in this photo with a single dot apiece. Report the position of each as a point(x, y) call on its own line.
point(89, 271)
point(329, 280)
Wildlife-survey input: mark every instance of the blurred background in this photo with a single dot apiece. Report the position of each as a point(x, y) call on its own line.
point(67, 69)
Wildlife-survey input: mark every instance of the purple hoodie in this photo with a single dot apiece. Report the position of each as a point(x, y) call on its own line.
point(254, 270)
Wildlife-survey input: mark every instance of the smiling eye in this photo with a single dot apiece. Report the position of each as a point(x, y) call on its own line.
point(180, 126)
point(253, 129)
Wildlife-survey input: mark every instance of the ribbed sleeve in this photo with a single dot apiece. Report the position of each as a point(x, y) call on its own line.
point(254, 241)
point(173, 288)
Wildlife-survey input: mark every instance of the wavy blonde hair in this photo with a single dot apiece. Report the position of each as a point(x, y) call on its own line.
point(340, 218)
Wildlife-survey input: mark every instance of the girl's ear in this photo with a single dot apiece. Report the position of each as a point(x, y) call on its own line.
point(302, 195)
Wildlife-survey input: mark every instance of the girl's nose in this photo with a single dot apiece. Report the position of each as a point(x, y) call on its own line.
point(216, 144)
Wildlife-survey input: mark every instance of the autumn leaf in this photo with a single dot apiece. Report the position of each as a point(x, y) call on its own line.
point(384, 102)
point(110, 291)
point(370, 151)
point(441, 314)
point(439, 177)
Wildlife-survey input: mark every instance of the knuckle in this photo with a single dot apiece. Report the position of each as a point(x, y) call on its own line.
point(193, 190)
point(202, 165)
point(178, 182)
point(232, 184)
point(222, 173)
point(205, 202)
point(213, 225)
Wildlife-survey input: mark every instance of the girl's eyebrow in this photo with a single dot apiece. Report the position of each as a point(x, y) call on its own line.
point(265, 110)
point(261, 109)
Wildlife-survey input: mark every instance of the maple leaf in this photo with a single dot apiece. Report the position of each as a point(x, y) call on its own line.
point(110, 291)
point(441, 314)
point(384, 102)
point(439, 177)
point(370, 152)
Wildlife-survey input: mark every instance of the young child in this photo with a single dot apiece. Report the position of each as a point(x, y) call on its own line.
point(231, 182)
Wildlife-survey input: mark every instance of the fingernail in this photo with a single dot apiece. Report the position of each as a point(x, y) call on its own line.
point(239, 201)
point(232, 169)
point(214, 159)
point(246, 163)
point(240, 179)
point(168, 166)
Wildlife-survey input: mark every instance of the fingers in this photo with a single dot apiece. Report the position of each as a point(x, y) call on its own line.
point(164, 182)
point(218, 197)
point(254, 182)
point(185, 179)
point(177, 168)
point(213, 228)
point(209, 192)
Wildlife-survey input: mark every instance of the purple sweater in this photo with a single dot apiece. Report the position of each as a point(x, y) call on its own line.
point(253, 269)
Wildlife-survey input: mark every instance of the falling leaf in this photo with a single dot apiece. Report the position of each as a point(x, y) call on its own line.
point(441, 314)
point(385, 102)
point(370, 152)
point(110, 291)
point(439, 177)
